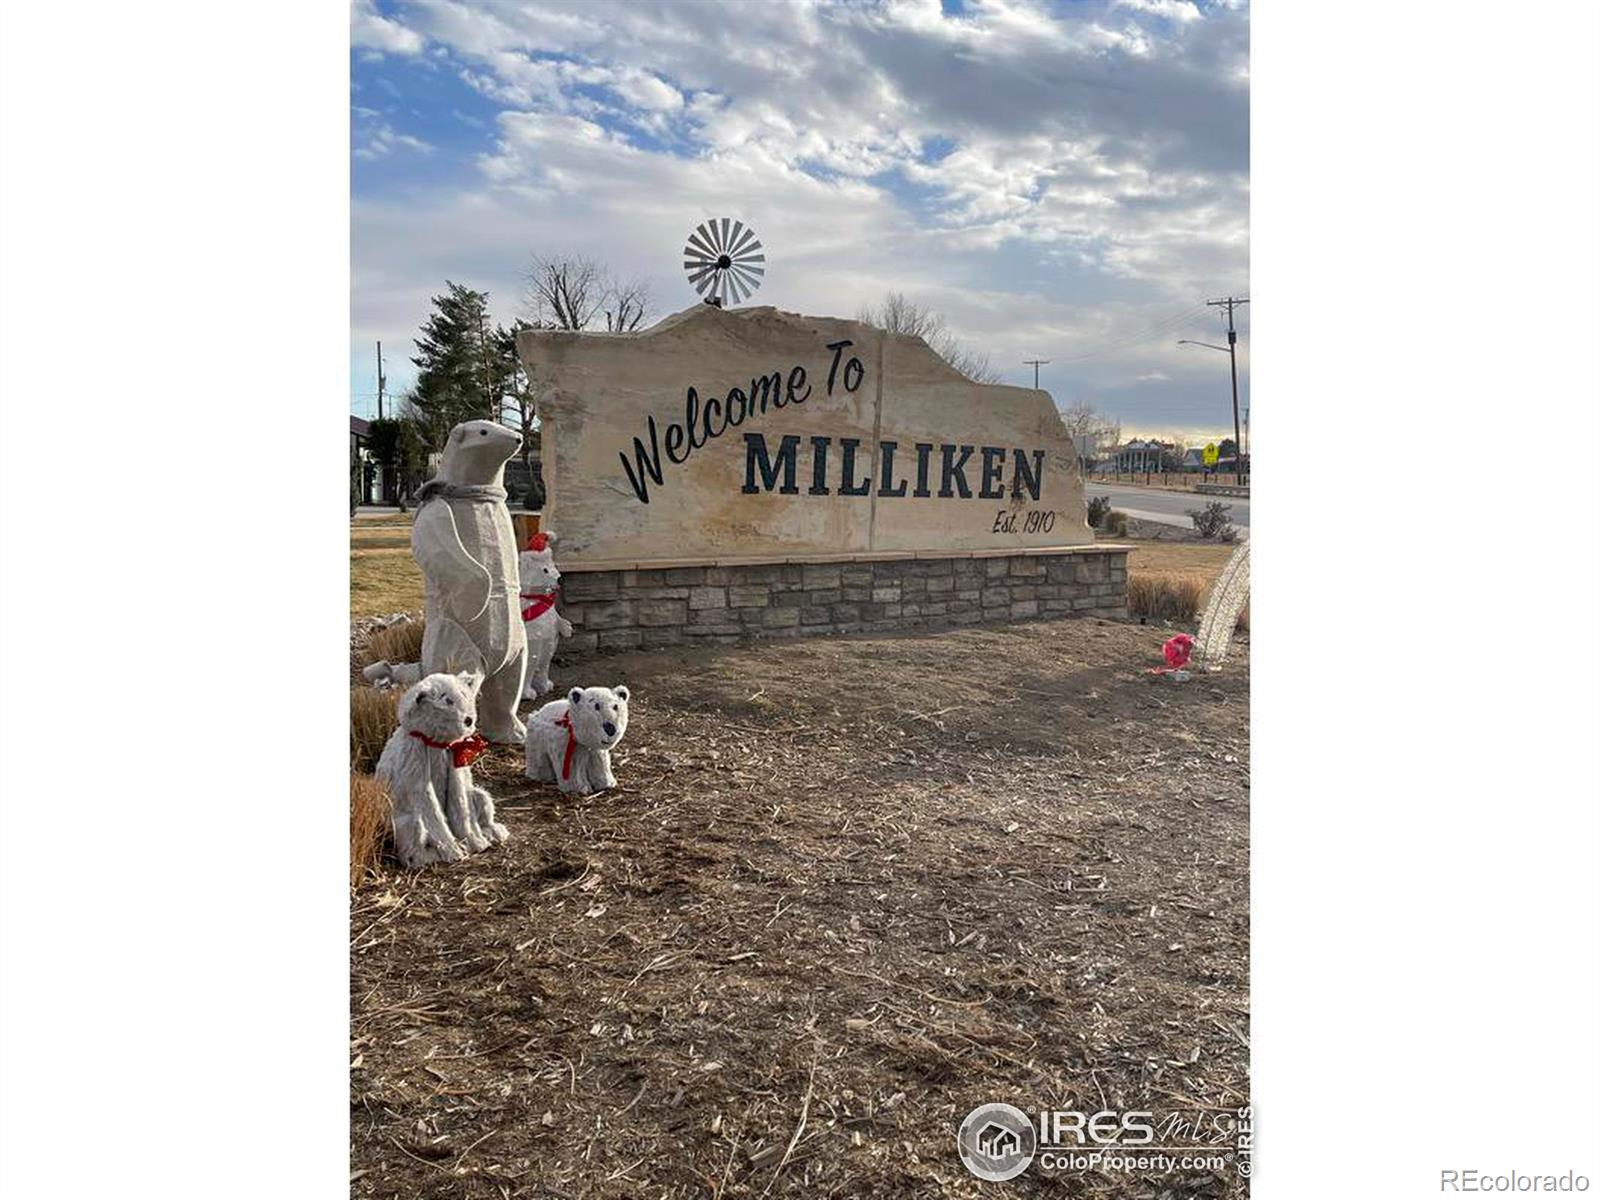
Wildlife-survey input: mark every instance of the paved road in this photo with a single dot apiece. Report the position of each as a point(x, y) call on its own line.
point(1170, 508)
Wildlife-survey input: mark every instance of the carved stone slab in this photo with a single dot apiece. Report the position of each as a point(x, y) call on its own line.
point(721, 434)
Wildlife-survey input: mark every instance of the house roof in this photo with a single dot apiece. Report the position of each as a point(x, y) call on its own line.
point(359, 426)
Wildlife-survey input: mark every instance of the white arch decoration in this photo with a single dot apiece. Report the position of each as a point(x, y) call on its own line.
point(1228, 596)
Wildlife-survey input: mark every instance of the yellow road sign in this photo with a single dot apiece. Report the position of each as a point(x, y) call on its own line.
point(1209, 454)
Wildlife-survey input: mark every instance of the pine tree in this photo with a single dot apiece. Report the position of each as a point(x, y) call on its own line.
point(460, 375)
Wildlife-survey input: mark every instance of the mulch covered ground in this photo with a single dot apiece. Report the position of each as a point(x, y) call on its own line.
point(849, 889)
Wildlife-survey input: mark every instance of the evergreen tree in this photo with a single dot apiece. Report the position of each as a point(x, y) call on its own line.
point(460, 375)
point(397, 444)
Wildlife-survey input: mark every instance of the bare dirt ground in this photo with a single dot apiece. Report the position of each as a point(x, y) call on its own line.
point(849, 889)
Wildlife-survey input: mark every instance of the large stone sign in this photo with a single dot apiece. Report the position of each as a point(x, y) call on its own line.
point(721, 436)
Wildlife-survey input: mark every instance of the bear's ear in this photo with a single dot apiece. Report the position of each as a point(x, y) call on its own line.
point(470, 680)
point(575, 696)
point(622, 693)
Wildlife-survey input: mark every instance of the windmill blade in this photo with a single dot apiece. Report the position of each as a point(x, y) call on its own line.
point(746, 280)
point(722, 246)
point(700, 272)
point(700, 243)
point(742, 239)
point(749, 246)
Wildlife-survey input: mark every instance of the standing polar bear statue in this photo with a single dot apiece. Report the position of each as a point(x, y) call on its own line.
point(463, 540)
point(542, 624)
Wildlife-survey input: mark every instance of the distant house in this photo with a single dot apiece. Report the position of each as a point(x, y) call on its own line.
point(1146, 455)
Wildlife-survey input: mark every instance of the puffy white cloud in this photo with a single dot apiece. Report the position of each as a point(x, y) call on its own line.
point(1172, 10)
point(648, 91)
point(370, 30)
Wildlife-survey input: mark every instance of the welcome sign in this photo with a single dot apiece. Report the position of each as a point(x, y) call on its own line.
point(727, 435)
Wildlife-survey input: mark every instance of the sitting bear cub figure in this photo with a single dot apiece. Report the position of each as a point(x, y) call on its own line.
point(439, 815)
point(570, 741)
point(544, 626)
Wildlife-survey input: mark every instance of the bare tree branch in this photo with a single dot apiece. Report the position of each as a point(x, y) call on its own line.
point(574, 292)
point(899, 315)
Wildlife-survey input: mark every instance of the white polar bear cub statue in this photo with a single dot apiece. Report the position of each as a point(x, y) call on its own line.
point(570, 741)
point(541, 623)
point(439, 814)
point(463, 540)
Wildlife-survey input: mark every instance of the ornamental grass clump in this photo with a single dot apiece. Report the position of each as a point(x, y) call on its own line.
point(369, 824)
point(373, 717)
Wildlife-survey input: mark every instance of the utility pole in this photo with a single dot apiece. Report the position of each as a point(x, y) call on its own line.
point(1035, 363)
point(1233, 370)
point(380, 381)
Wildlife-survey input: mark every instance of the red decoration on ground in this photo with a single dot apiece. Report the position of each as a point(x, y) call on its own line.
point(1177, 649)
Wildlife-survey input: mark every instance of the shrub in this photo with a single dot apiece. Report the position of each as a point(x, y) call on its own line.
point(1213, 521)
point(373, 717)
point(1165, 597)
point(1177, 598)
point(400, 643)
point(1115, 523)
point(369, 824)
point(1099, 506)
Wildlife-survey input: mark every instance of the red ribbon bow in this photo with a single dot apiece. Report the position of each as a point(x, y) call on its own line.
point(572, 745)
point(543, 602)
point(462, 751)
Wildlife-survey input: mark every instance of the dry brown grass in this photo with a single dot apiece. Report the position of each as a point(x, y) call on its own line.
point(384, 581)
point(398, 644)
point(1198, 560)
point(373, 716)
point(369, 824)
point(1165, 597)
point(1172, 597)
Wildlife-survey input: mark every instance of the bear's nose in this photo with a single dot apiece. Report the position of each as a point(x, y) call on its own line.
point(611, 730)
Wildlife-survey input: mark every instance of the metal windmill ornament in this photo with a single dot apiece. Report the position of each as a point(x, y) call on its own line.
point(723, 260)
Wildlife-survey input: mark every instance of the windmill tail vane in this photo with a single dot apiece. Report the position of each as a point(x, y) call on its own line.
point(723, 261)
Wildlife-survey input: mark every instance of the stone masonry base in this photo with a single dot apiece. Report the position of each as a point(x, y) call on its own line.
point(646, 607)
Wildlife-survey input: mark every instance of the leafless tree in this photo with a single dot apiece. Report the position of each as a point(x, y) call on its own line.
point(1083, 421)
point(573, 292)
point(627, 305)
point(897, 314)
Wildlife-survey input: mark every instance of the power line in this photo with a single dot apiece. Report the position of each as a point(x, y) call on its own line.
point(1158, 330)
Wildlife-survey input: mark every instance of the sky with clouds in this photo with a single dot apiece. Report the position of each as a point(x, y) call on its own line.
point(1067, 181)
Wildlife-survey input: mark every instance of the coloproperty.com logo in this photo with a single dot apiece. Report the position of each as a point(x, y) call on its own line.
point(997, 1142)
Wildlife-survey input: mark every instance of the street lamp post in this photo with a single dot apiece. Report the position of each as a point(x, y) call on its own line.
point(1233, 371)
